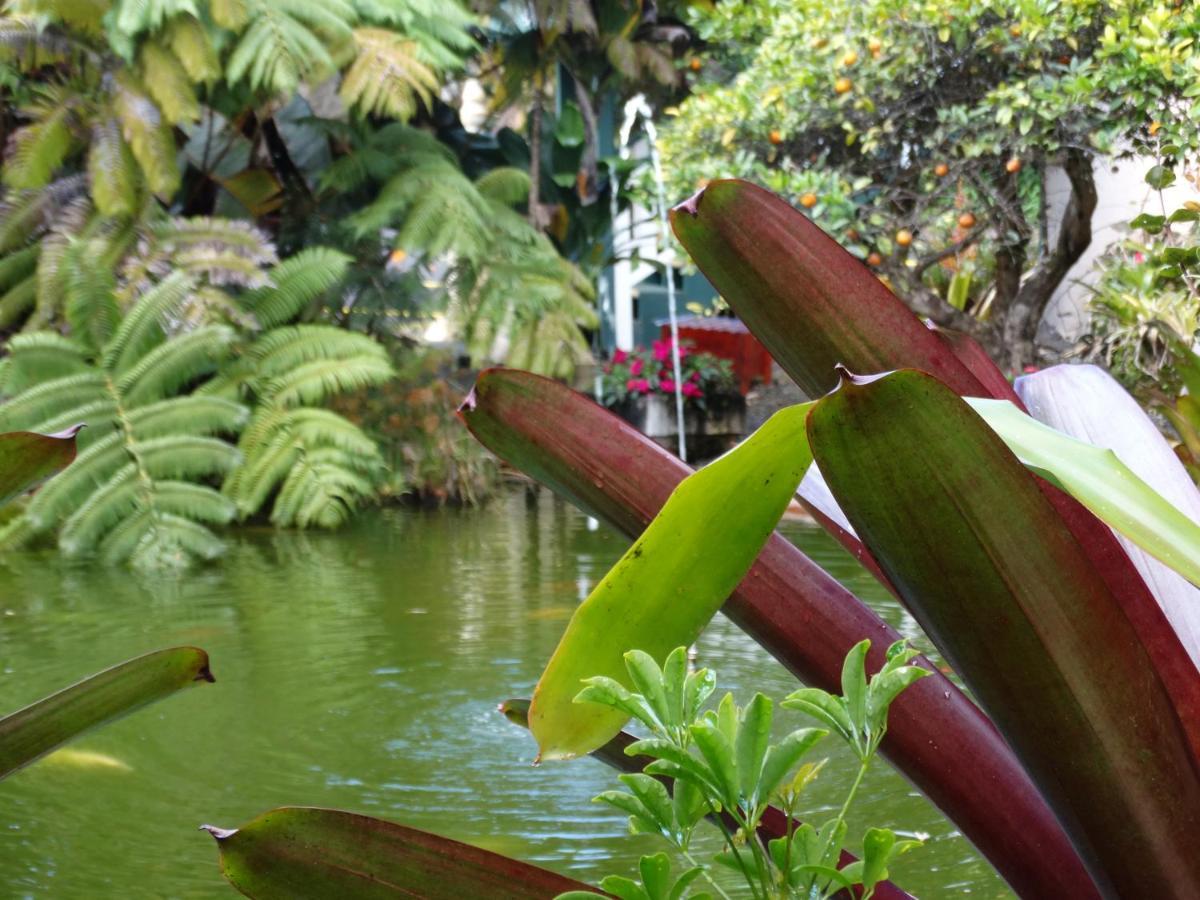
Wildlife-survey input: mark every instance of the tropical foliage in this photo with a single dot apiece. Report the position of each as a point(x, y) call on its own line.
point(167, 385)
point(928, 139)
point(1146, 313)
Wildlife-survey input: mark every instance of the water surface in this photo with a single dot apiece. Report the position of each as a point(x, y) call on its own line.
point(361, 670)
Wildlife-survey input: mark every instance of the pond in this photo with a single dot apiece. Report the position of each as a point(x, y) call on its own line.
point(361, 669)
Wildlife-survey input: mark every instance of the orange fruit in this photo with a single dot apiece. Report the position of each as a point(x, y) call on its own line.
point(966, 220)
point(941, 170)
point(874, 259)
point(1015, 31)
point(1013, 166)
point(1154, 126)
point(852, 234)
point(875, 45)
point(850, 58)
point(775, 137)
point(809, 200)
point(904, 237)
point(843, 85)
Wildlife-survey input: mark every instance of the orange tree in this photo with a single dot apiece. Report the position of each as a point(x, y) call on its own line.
point(923, 134)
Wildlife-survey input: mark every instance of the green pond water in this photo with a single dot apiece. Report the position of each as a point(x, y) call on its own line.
point(361, 670)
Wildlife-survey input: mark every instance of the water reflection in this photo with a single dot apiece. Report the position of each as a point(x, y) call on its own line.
point(357, 670)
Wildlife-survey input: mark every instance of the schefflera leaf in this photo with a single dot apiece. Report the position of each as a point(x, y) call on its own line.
point(999, 583)
point(671, 582)
point(309, 853)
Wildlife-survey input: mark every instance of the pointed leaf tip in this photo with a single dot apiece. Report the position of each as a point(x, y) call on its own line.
point(468, 404)
point(68, 433)
point(691, 205)
point(219, 834)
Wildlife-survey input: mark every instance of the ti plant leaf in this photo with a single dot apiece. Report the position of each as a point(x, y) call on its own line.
point(1087, 403)
point(306, 853)
point(1001, 585)
point(34, 731)
point(812, 304)
point(27, 459)
point(799, 613)
point(665, 589)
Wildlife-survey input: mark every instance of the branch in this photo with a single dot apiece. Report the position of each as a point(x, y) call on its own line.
point(945, 253)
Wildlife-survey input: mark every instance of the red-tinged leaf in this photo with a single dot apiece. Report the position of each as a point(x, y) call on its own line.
point(815, 306)
point(307, 853)
point(27, 459)
point(1087, 403)
point(34, 731)
point(774, 822)
point(969, 352)
point(799, 613)
point(811, 303)
point(1003, 588)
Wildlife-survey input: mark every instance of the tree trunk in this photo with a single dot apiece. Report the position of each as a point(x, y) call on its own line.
point(535, 155)
point(586, 180)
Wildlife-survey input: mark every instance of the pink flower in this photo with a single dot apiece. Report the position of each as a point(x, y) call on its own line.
point(635, 367)
point(692, 390)
point(662, 350)
point(1139, 257)
point(666, 385)
point(637, 385)
point(695, 379)
point(619, 356)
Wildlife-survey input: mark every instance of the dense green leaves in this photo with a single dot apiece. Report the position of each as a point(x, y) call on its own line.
point(303, 852)
point(30, 733)
point(679, 556)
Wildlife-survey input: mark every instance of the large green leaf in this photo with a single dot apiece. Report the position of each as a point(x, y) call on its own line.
point(1001, 585)
point(296, 853)
point(40, 727)
point(1087, 403)
point(664, 590)
point(1098, 479)
point(799, 613)
point(27, 459)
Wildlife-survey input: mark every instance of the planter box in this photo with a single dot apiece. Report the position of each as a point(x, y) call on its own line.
point(710, 431)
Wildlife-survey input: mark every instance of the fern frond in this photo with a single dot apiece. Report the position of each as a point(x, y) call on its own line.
point(387, 78)
point(187, 456)
point(250, 484)
point(97, 415)
point(25, 214)
point(91, 307)
point(285, 43)
point(193, 415)
point(124, 493)
point(37, 150)
point(50, 398)
point(231, 15)
point(53, 260)
point(174, 363)
point(112, 171)
point(136, 16)
point(168, 83)
point(322, 490)
point(18, 266)
point(154, 541)
point(17, 301)
point(504, 184)
point(283, 350)
point(316, 381)
point(148, 134)
point(66, 491)
point(189, 42)
point(142, 327)
point(298, 281)
point(40, 356)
